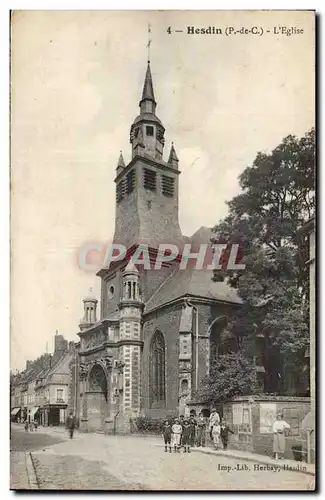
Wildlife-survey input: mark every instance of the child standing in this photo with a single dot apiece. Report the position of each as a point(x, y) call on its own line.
point(186, 435)
point(216, 435)
point(176, 435)
point(167, 435)
point(224, 433)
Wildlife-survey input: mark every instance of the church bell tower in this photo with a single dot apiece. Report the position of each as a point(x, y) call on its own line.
point(147, 187)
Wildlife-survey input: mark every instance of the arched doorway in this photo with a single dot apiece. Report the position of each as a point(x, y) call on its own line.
point(98, 380)
point(97, 398)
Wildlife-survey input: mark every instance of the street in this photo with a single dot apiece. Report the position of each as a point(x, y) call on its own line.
point(99, 462)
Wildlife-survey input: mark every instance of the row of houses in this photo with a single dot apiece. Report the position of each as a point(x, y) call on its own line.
point(41, 391)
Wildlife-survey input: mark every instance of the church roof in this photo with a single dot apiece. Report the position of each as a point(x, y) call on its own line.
point(147, 92)
point(191, 281)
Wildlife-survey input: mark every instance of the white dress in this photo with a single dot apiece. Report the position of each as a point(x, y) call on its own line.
point(279, 427)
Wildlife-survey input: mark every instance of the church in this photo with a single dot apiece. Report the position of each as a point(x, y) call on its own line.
point(151, 346)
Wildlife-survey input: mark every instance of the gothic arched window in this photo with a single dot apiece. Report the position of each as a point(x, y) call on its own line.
point(157, 389)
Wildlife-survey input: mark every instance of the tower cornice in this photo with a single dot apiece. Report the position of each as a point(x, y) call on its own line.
point(149, 161)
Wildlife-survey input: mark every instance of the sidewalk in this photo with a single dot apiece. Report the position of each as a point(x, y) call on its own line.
point(22, 474)
point(291, 465)
point(243, 456)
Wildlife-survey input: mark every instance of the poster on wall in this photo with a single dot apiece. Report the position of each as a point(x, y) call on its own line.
point(267, 417)
point(241, 414)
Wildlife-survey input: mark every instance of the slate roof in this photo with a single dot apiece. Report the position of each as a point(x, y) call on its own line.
point(62, 366)
point(191, 281)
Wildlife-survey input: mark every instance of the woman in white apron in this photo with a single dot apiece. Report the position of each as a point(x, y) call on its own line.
point(279, 428)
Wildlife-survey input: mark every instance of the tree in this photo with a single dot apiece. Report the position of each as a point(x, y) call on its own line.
point(230, 375)
point(278, 196)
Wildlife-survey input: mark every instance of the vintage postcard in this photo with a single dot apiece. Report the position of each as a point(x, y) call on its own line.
point(162, 250)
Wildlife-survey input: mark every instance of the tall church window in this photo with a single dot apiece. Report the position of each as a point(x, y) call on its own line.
point(149, 180)
point(149, 131)
point(167, 184)
point(157, 389)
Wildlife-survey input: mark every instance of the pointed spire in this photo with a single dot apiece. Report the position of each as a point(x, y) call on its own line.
point(173, 160)
point(147, 93)
point(120, 162)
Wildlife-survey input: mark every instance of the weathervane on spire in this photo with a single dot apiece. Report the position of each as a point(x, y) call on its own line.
point(149, 42)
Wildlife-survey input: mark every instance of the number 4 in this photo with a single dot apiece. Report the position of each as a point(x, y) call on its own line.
point(169, 30)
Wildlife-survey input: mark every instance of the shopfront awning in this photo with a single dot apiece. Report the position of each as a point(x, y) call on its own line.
point(33, 410)
point(14, 411)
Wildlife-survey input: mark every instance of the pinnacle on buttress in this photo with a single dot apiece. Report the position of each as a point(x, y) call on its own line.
point(173, 160)
point(120, 164)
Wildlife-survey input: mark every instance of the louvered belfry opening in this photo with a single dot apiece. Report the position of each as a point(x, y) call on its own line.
point(130, 181)
point(168, 184)
point(149, 179)
point(120, 191)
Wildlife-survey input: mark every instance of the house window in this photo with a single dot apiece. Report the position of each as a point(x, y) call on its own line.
point(149, 131)
point(157, 389)
point(167, 185)
point(149, 180)
point(59, 394)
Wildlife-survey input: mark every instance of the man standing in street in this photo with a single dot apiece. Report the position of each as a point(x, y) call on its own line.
point(214, 420)
point(71, 423)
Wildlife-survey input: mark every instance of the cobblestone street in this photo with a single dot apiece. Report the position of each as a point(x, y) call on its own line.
point(94, 461)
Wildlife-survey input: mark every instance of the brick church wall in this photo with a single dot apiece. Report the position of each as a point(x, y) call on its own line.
point(167, 321)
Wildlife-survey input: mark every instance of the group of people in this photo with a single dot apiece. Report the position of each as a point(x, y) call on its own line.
point(30, 426)
point(188, 432)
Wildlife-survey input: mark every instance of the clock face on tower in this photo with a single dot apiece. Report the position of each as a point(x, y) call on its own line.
point(110, 292)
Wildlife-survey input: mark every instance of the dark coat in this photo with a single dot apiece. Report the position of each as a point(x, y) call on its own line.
point(225, 431)
point(186, 431)
point(167, 431)
point(71, 422)
point(192, 428)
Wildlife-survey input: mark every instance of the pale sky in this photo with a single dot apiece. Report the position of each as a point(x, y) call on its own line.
point(77, 79)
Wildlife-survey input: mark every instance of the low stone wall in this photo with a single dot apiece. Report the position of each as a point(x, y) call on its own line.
point(251, 418)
